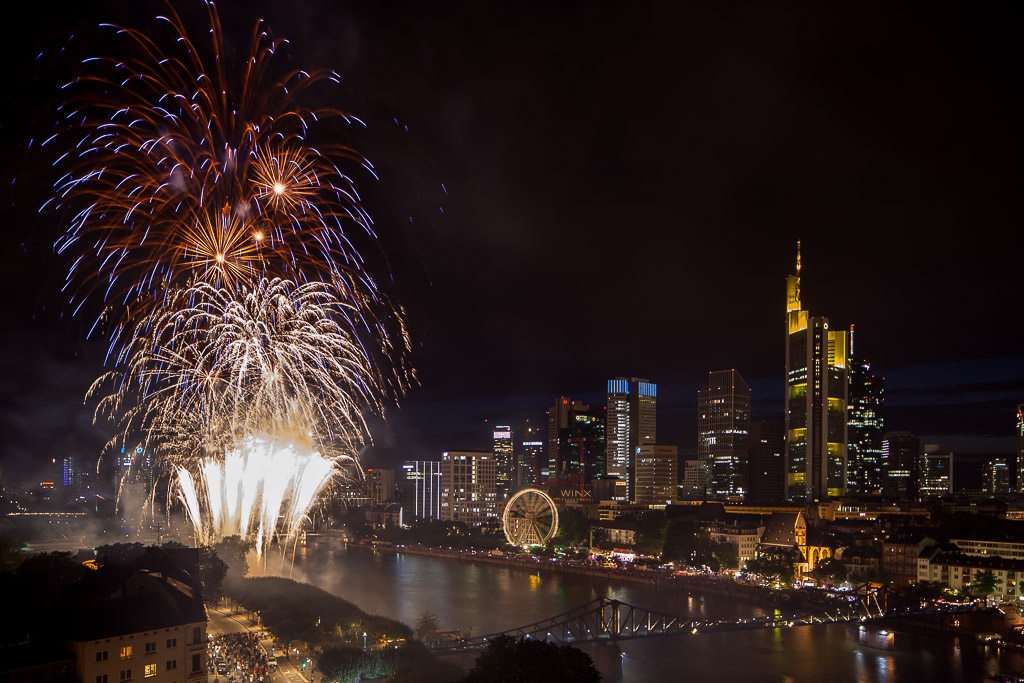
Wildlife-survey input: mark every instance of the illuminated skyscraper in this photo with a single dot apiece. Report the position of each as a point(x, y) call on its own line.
point(503, 456)
point(1020, 448)
point(468, 487)
point(865, 425)
point(900, 465)
point(816, 398)
point(421, 488)
point(936, 478)
point(996, 476)
point(657, 479)
point(531, 458)
point(631, 422)
point(723, 426)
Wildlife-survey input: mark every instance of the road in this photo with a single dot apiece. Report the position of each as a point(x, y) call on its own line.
point(224, 621)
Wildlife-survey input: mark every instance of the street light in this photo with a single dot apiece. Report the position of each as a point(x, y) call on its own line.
point(364, 640)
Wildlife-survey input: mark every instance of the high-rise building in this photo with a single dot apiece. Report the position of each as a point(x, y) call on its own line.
point(865, 426)
point(765, 448)
point(420, 488)
point(469, 486)
point(996, 476)
point(815, 400)
point(692, 486)
point(657, 481)
point(72, 474)
point(531, 458)
point(380, 485)
point(631, 422)
point(900, 465)
point(1020, 449)
point(576, 446)
point(504, 460)
point(936, 472)
point(723, 426)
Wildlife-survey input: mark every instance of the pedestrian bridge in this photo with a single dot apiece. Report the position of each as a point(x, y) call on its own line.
point(604, 619)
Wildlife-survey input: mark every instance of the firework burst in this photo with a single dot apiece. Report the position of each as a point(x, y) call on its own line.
point(248, 339)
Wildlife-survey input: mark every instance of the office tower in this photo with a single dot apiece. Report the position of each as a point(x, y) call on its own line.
point(765, 448)
point(1019, 483)
point(469, 490)
point(865, 425)
point(531, 458)
point(900, 455)
point(420, 488)
point(815, 400)
point(576, 446)
point(631, 422)
point(694, 477)
point(380, 485)
point(936, 472)
point(996, 476)
point(504, 460)
point(134, 466)
point(656, 475)
point(723, 425)
point(72, 474)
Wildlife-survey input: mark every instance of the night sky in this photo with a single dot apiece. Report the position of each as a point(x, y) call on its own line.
point(570, 194)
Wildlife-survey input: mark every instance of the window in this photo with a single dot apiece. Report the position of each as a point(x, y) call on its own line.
point(101, 679)
point(197, 635)
point(197, 663)
point(126, 653)
point(101, 656)
point(172, 664)
point(150, 671)
point(151, 648)
point(172, 642)
point(126, 674)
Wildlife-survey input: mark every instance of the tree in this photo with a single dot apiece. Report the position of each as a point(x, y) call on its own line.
point(573, 527)
point(212, 571)
point(651, 534)
point(119, 553)
point(233, 551)
point(11, 555)
point(984, 584)
point(775, 564)
point(507, 660)
point(829, 569)
point(427, 627)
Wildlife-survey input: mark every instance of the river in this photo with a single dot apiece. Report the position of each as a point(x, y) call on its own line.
point(483, 598)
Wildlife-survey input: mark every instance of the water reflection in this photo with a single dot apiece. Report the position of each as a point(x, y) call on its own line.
point(482, 598)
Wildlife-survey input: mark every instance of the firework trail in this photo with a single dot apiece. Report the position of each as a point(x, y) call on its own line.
point(212, 227)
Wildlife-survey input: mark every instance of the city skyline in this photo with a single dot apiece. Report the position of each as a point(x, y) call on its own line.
point(537, 265)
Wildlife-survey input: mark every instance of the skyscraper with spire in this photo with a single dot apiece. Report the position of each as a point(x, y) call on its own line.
point(815, 400)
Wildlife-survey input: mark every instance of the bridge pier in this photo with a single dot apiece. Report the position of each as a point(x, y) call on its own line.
point(608, 660)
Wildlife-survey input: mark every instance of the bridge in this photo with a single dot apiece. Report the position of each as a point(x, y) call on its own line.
point(604, 619)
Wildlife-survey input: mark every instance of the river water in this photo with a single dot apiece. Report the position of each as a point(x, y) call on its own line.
point(484, 598)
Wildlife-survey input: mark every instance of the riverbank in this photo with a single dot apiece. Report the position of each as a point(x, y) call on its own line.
point(690, 584)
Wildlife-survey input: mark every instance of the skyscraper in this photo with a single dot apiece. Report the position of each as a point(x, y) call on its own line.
point(576, 447)
point(723, 426)
point(765, 445)
point(995, 477)
point(468, 487)
point(865, 425)
point(505, 462)
point(656, 475)
point(1020, 449)
point(420, 488)
point(936, 478)
point(631, 422)
point(531, 458)
point(816, 398)
point(900, 465)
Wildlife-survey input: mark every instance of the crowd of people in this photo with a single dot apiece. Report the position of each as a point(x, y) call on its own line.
point(238, 658)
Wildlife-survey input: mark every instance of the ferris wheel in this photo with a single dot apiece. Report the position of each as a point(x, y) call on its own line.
point(530, 518)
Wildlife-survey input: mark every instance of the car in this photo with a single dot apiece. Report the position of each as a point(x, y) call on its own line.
point(222, 670)
point(272, 662)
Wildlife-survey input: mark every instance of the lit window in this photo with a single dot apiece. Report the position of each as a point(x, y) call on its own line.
point(126, 653)
point(150, 670)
